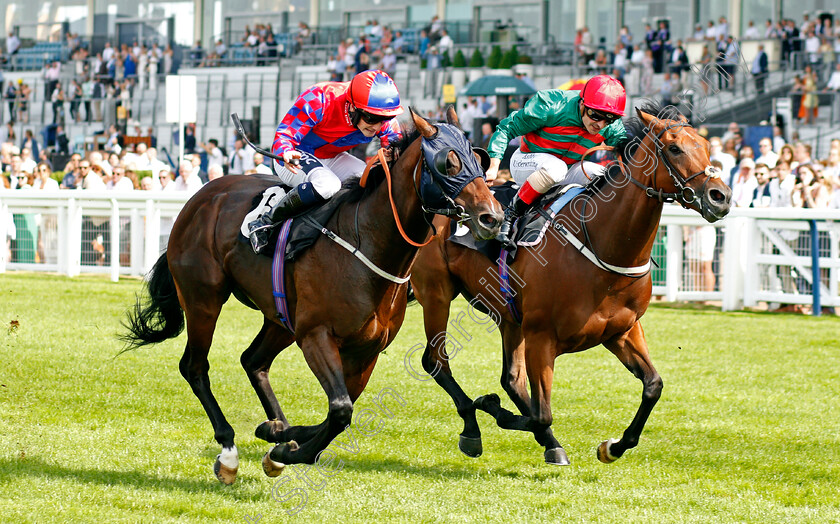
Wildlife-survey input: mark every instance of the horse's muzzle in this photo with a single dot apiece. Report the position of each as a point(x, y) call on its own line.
point(487, 223)
point(715, 202)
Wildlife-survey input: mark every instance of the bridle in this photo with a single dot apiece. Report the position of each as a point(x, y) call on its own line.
point(427, 179)
point(685, 194)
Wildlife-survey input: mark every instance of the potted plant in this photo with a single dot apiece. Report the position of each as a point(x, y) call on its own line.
point(495, 62)
point(476, 68)
point(459, 73)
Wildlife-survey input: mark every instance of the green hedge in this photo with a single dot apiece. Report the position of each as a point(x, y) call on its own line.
point(477, 59)
point(460, 60)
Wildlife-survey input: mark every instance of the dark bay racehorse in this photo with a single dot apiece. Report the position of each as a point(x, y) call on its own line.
point(343, 313)
point(567, 302)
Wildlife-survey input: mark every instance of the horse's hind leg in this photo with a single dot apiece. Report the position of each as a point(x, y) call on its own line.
point(632, 350)
point(256, 361)
point(201, 322)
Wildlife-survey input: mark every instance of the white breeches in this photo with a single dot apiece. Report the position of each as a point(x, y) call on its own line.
point(544, 171)
point(325, 174)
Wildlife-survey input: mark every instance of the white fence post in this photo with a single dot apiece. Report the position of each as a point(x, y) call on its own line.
point(115, 240)
point(4, 229)
point(732, 269)
point(673, 261)
point(751, 249)
point(74, 239)
point(152, 247)
point(136, 242)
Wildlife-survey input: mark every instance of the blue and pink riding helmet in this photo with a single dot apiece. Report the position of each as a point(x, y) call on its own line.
point(376, 93)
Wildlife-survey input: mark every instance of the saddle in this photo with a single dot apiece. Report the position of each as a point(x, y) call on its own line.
point(303, 233)
point(530, 229)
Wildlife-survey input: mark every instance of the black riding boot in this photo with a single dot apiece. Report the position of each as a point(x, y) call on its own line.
point(296, 201)
point(516, 209)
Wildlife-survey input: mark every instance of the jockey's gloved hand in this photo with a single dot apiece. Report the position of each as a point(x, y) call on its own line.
point(291, 160)
point(390, 153)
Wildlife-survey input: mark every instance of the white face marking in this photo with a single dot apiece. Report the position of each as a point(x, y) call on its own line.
point(712, 172)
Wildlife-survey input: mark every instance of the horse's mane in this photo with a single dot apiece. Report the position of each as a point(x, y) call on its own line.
point(636, 131)
point(636, 128)
point(352, 191)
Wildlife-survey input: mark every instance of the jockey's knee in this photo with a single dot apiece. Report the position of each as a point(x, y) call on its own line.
point(325, 182)
point(544, 179)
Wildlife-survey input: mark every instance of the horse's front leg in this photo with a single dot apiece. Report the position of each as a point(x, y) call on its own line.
point(514, 381)
point(256, 360)
point(540, 352)
point(436, 363)
point(321, 353)
point(632, 350)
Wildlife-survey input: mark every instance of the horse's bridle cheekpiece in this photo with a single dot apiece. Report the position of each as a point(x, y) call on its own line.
point(437, 190)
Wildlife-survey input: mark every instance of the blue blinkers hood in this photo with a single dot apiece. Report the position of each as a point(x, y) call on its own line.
point(436, 188)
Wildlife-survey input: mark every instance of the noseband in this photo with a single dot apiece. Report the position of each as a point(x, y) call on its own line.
point(686, 194)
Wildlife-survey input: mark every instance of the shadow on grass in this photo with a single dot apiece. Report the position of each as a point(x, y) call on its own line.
point(467, 471)
point(36, 468)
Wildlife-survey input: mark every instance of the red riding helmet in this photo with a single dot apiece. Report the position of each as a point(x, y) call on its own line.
point(604, 93)
point(374, 92)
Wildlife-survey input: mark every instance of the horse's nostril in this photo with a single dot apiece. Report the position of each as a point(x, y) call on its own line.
point(489, 220)
point(717, 196)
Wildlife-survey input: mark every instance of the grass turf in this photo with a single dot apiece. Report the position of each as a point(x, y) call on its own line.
point(747, 430)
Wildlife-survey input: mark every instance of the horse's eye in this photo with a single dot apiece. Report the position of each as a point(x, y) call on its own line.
point(674, 150)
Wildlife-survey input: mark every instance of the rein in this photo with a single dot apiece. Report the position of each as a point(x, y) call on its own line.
point(380, 156)
point(685, 196)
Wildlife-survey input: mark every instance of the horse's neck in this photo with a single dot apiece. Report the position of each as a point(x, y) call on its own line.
point(625, 221)
point(383, 238)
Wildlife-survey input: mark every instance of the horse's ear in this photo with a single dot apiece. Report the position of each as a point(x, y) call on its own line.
point(452, 116)
point(647, 118)
point(426, 129)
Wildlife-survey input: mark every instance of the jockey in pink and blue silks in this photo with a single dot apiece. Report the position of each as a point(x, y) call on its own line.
point(314, 137)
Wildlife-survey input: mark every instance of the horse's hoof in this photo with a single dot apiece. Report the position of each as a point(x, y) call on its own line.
point(486, 402)
point(272, 468)
point(269, 430)
point(226, 475)
point(557, 457)
point(470, 447)
point(279, 452)
point(604, 454)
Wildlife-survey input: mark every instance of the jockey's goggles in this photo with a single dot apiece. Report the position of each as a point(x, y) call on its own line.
point(597, 116)
point(373, 119)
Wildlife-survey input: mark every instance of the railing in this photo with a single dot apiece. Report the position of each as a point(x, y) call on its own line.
point(754, 255)
point(77, 231)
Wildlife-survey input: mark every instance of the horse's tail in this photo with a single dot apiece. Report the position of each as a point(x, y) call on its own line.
point(161, 317)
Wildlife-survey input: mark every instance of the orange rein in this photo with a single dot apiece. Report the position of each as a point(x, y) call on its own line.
point(380, 156)
point(600, 147)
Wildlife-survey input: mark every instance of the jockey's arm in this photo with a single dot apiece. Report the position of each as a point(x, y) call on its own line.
point(493, 170)
point(388, 135)
point(297, 123)
point(537, 113)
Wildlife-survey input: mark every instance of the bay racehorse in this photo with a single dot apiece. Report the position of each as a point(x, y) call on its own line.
point(569, 302)
point(342, 312)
